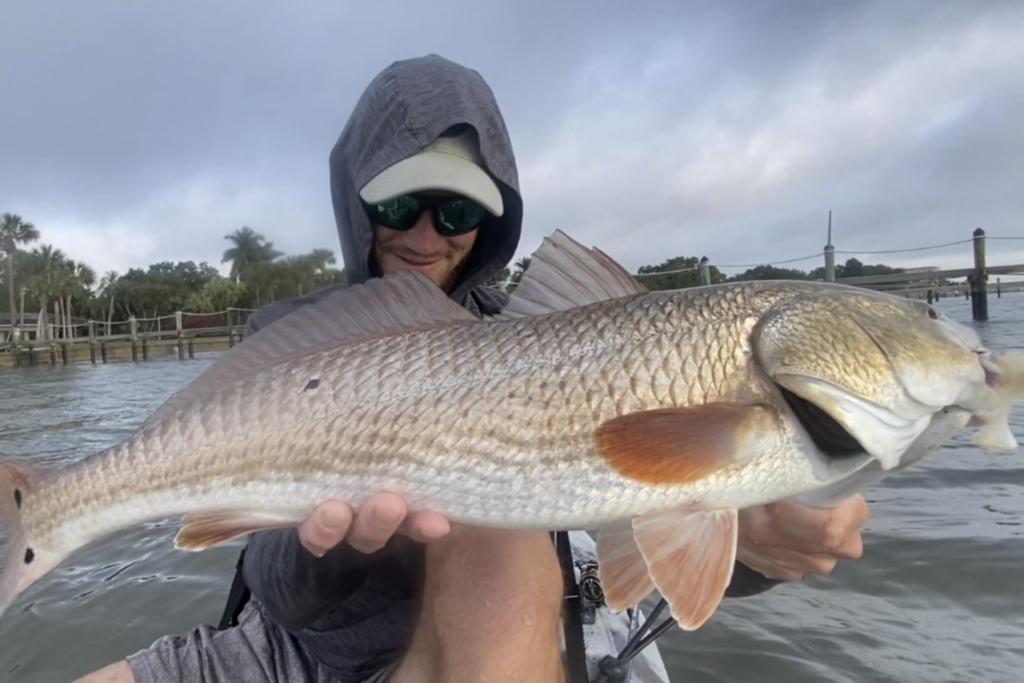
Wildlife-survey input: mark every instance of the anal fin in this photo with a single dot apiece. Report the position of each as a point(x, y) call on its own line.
point(202, 530)
point(690, 555)
point(622, 568)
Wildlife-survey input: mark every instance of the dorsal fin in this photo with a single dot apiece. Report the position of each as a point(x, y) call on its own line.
point(402, 302)
point(564, 274)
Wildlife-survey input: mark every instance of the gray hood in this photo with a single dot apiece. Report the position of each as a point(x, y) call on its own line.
point(406, 107)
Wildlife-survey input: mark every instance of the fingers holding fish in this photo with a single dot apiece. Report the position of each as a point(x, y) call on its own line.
point(813, 531)
point(368, 530)
point(787, 540)
point(377, 520)
point(783, 565)
point(426, 526)
point(325, 527)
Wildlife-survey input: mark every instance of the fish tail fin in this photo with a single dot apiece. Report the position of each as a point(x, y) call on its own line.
point(1007, 379)
point(23, 564)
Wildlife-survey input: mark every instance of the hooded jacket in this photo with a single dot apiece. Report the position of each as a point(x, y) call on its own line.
point(355, 613)
point(406, 107)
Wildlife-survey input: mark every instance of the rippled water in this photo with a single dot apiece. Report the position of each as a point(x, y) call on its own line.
point(937, 597)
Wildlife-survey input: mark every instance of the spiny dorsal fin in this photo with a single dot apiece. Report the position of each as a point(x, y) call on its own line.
point(564, 274)
point(397, 303)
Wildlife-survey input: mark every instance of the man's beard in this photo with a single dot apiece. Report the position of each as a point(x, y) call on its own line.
point(446, 285)
point(453, 277)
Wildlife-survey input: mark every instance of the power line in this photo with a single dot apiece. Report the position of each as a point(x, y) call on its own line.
point(821, 255)
point(772, 263)
point(667, 272)
point(841, 251)
point(903, 251)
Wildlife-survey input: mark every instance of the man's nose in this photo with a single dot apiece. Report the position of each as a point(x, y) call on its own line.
point(423, 236)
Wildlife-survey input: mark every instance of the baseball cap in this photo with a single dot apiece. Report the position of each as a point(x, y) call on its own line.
point(451, 163)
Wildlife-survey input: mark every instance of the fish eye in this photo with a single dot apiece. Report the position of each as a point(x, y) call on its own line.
point(933, 314)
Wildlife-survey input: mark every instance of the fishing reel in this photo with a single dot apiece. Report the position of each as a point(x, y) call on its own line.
point(591, 591)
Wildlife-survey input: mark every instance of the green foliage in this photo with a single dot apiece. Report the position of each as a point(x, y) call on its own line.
point(676, 273)
point(854, 268)
point(518, 270)
point(500, 279)
point(769, 273)
point(160, 290)
point(218, 294)
point(250, 247)
point(267, 281)
point(14, 232)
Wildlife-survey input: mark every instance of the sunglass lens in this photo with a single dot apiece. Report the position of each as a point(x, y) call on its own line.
point(459, 216)
point(399, 213)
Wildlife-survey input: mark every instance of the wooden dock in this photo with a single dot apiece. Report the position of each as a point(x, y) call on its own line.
point(936, 276)
point(118, 347)
point(135, 339)
point(928, 281)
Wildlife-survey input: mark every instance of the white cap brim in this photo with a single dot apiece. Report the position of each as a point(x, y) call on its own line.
point(440, 166)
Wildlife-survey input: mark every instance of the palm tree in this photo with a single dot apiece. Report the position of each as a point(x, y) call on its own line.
point(500, 279)
point(13, 232)
point(250, 247)
point(28, 265)
point(321, 258)
point(261, 278)
point(519, 269)
point(303, 273)
point(80, 279)
point(46, 283)
point(108, 288)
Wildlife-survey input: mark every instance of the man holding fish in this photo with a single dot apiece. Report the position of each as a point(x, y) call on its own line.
point(424, 179)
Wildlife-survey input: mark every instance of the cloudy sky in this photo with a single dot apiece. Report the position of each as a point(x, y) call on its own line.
point(135, 132)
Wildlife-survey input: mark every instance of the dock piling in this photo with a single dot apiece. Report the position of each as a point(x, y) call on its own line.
point(830, 254)
point(979, 280)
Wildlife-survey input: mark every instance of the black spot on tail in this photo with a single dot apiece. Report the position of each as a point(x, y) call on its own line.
point(827, 434)
point(17, 498)
point(29, 555)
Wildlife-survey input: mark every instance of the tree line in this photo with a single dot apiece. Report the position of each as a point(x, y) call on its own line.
point(45, 284)
point(42, 284)
point(682, 272)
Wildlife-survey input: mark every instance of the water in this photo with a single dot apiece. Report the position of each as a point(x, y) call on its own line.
point(937, 596)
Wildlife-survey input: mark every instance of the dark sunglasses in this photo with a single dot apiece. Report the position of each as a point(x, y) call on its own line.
point(452, 216)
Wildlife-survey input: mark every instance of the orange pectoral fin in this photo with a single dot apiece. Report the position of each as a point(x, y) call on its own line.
point(690, 555)
point(622, 568)
point(679, 445)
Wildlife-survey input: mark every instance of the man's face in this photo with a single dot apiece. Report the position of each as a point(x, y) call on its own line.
point(422, 248)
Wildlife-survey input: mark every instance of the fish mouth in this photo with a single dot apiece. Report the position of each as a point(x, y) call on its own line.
point(831, 438)
point(843, 424)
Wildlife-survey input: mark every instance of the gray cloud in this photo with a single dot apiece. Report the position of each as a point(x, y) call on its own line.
point(132, 133)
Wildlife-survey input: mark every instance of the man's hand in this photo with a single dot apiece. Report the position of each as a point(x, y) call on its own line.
point(787, 540)
point(382, 516)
